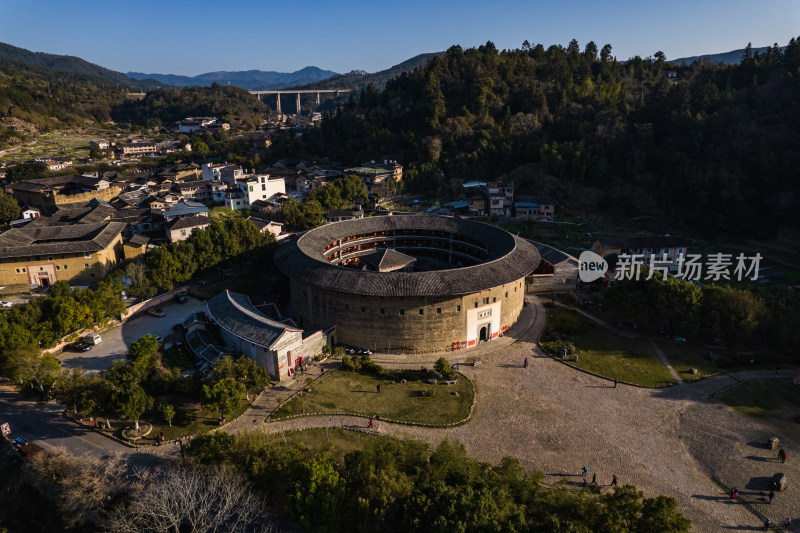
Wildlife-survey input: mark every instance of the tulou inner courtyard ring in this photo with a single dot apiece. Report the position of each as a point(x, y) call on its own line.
point(408, 283)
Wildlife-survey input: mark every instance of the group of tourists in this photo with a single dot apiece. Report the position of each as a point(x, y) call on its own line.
point(585, 472)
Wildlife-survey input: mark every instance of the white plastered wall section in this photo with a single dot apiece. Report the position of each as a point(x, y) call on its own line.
point(488, 315)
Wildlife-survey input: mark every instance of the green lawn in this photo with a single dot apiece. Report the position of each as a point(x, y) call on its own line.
point(603, 352)
point(684, 356)
point(190, 419)
point(774, 402)
point(355, 393)
point(313, 441)
point(224, 212)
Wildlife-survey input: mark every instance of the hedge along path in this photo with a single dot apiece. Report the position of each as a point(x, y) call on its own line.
point(338, 413)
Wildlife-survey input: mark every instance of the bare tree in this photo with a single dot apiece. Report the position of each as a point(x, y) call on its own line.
point(79, 486)
point(192, 499)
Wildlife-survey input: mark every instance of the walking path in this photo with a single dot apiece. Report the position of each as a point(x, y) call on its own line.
point(665, 361)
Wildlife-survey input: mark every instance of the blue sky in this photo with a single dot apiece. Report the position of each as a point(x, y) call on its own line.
point(192, 37)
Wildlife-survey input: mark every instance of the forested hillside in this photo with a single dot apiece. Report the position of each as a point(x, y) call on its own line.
point(36, 98)
point(359, 79)
point(166, 106)
point(40, 99)
point(714, 149)
point(72, 65)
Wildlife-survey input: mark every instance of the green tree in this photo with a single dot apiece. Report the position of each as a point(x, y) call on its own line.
point(222, 396)
point(167, 411)
point(140, 286)
point(142, 353)
point(163, 268)
point(736, 313)
point(200, 148)
point(605, 53)
point(127, 394)
point(443, 367)
point(317, 495)
point(213, 448)
point(9, 208)
point(660, 515)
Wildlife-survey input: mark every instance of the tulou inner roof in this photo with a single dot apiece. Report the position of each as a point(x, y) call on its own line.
point(509, 258)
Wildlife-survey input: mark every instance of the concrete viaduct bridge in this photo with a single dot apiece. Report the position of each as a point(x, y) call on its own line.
point(278, 94)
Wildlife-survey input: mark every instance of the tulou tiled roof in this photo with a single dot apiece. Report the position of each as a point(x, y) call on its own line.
point(58, 240)
point(509, 259)
point(235, 312)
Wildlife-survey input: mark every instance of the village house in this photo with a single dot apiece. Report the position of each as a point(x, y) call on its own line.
point(182, 228)
point(273, 345)
point(193, 124)
point(46, 194)
point(267, 226)
point(338, 215)
point(668, 251)
point(80, 254)
point(501, 198)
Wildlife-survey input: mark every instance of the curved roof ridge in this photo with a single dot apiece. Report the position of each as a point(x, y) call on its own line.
point(508, 259)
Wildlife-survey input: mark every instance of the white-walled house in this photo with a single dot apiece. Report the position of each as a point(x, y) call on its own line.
point(272, 345)
point(182, 229)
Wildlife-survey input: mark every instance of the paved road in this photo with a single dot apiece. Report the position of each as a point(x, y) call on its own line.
point(116, 341)
point(44, 425)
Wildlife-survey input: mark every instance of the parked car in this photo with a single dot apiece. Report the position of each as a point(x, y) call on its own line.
point(94, 339)
point(7, 305)
point(78, 346)
point(156, 312)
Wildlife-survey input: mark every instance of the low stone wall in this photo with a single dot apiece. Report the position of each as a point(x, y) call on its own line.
point(153, 302)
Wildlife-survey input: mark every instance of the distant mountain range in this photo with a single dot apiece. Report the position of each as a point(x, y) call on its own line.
point(246, 79)
point(72, 64)
point(726, 58)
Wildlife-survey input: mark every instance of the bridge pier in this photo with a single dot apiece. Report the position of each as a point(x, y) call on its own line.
point(298, 105)
point(278, 99)
point(317, 99)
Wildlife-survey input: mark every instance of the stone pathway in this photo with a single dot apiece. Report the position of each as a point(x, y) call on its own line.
point(665, 361)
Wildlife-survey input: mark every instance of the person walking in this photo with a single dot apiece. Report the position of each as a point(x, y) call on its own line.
point(614, 481)
point(594, 479)
point(615, 383)
point(734, 493)
point(782, 455)
point(525, 364)
point(787, 523)
point(767, 523)
point(585, 471)
point(771, 495)
point(371, 424)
